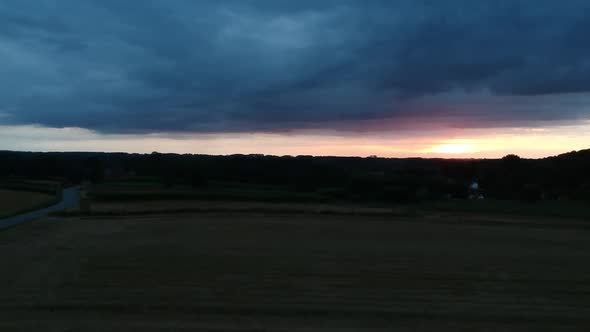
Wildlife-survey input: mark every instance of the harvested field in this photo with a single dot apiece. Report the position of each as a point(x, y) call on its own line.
point(14, 201)
point(254, 272)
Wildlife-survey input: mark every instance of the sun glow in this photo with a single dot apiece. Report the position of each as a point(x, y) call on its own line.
point(465, 143)
point(452, 148)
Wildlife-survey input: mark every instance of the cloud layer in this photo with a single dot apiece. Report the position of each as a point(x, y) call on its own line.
point(277, 65)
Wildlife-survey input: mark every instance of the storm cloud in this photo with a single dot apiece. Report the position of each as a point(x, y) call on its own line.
point(276, 65)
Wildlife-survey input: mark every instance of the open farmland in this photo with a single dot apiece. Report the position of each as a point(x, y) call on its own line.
point(15, 201)
point(256, 272)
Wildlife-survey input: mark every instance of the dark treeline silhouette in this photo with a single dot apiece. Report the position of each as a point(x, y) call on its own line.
point(563, 177)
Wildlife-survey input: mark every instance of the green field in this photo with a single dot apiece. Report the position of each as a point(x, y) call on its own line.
point(155, 191)
point(149, 193)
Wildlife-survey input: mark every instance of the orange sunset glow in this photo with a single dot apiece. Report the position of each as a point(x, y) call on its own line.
point(464, 143)
point(452, 148)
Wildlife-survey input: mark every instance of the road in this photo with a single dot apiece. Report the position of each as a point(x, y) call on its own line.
point(70, 199)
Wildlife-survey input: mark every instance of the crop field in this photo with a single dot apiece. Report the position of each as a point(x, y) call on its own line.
point(14, 201)
point(291, 272)
point(152, 190)
point(152, 196)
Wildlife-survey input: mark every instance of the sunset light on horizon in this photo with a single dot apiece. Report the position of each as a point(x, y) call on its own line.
point(453, 143)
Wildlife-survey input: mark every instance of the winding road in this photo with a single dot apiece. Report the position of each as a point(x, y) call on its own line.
point(70, 199)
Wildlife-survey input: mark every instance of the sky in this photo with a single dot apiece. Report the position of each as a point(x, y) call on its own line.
point(429, 78)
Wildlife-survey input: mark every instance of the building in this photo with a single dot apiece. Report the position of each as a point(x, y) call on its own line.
point(475, 191)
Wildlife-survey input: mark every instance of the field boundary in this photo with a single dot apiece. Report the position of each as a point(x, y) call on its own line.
point(464, 219)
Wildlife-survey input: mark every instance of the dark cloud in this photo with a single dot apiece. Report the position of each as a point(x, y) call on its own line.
point(273, 65)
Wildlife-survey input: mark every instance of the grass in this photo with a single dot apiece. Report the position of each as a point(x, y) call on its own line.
point(135, 192)
point(132, 192)
point(267, 196)
point(15, 202)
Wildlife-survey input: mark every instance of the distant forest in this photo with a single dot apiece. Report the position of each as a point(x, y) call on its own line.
point(564, 177)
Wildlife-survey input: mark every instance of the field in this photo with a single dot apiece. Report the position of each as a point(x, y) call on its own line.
point(281, 272)
point(14, 201)
point(132, 191)
point(149, 196)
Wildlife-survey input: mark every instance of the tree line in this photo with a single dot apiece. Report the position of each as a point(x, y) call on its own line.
point(563, 177)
